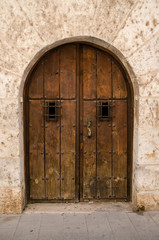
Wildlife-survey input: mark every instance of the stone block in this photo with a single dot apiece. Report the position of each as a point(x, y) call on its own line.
point(9, 84)
point(10, 200)
point(75, 18)
point(9, 143)
point(140, 26)
point(148, 112)
point(148, 142)
point(147, 177)
point(149, 200)
point(10, 172)
point(18, 31)
point(9, 114)
point(12, 61)
point(148, 84)
point(145, 59)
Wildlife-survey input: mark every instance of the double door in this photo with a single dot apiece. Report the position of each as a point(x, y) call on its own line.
point(77, 126)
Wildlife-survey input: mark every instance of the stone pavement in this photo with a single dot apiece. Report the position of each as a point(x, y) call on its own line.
point(80, 222)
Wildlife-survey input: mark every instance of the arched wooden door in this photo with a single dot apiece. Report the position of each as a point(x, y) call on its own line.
point(77, 118)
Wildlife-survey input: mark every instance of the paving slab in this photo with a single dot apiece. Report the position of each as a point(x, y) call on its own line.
point(145, 226)
point(28, 227)
point(121, 226)
point(155, 216)
point(75, 226)
point(98, 226)
point(97, 222)
point(9, 221)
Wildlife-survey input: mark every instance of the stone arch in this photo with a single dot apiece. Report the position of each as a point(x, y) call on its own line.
point(130, 76)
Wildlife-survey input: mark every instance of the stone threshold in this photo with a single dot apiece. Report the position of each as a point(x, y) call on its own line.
point(81, 207)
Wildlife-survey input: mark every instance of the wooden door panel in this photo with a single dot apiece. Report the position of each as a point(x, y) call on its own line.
point(88, 65)
point(118, 81)
point(68, 71)
point(36, 84)
point(104, 88)
point(36, 149)
point(68, 148)
point(78, 77)
point(51, 75)
point(120, 149)
point(52, 158)
point(104, 149)
point(89, 151)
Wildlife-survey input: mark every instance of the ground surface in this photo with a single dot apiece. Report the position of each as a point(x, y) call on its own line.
point(88, 221)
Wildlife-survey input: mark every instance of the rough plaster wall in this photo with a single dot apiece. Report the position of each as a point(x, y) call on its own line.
point(27, 26)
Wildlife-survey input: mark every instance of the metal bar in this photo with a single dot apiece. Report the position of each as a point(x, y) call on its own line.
point(52, 106)
point(52, 115)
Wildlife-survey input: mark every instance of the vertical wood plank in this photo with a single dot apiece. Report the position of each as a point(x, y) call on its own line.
point(52, 158)
point(103, 75)
point(120, 149)
point(51, 75)
point(89, 151)
point(36, 83)
point(118, 81)
point(68, 71)
point(68, 148)
point(104, 148)
point(89, 72)
point(36, 149)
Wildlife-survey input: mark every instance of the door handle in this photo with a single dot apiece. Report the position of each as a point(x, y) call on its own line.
point(89, 128)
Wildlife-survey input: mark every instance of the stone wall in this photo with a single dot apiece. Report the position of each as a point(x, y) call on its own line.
point(131, 29)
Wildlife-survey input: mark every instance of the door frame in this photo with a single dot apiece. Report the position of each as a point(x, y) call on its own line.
point(121, 63)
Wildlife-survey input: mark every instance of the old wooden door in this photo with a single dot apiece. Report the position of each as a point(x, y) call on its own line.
point(104, 113)
point(77, 126)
